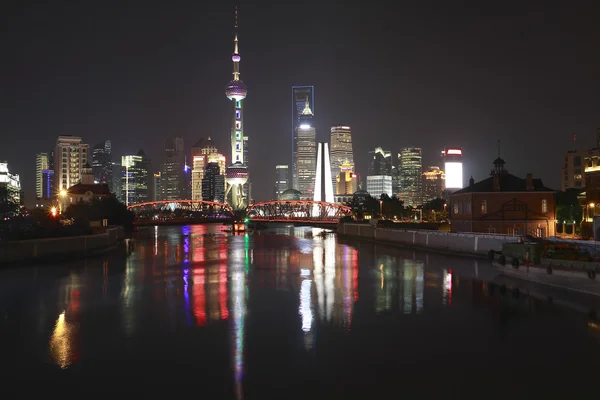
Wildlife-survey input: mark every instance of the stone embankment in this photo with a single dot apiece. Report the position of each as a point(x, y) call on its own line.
point(25, 251)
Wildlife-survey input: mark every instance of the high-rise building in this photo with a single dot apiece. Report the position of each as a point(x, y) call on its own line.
point(237, 171)
point(70, 157)
point(200, 154)
point(341, 149)
point(10, 191)
point(156, 190)
point(378, 185)
point(323, 182)
point(305, 154)
point(282, 182)
point(172, 173)
point(410, 160)
point(213, 184)
point(452, 157)
point(48, 184)
point(41, 164)
point(136, 178)
point(116, 179)
point(346, 180)
point(433, 183)
point(395, 179)
point(300, 96)
point(380, 162)
point(102, 162)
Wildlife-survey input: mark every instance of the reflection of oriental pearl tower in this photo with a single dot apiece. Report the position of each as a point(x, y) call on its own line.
point(237, 173)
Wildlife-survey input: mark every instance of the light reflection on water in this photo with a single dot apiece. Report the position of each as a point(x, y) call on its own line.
point(196, 287)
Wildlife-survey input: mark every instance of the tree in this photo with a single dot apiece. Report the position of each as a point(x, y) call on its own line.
point(567, 206)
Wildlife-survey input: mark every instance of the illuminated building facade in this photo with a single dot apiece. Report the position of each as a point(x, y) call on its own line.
point(380, 162)
point(42, 163)
point(213, 183)
point(70, 156)
point(237, 172)
point(341, 149)
point(172, 182)
point(452, 157)
point(305, 153)
point(10, 190)
point(300, 96)
point(410, 174)
point(433, 183)
point(156, 191)
point(135, 181)
point(323, 183)
point(282, 180)
point(346, 180)
point(200, 153)
point(378, 185)
point(102, 162)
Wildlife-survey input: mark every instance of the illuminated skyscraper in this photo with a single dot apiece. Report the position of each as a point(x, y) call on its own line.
point(136, 178)
point(172, 182)
point(410, 174)
point(237, 172)
point(346, 180)
point(200, 153)
point(41, 163)
point(70, 157)
point(281, 180)
point(341, 149)
point(305, 154)
point(102, 162)
point(300, 96)
point(433, 184)
point(452, 157)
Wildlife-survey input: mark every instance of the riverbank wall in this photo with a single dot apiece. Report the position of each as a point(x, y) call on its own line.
point(26, 251)
point(473, 244)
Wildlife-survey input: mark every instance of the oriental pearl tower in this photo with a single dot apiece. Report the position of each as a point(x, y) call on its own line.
point(237, 173)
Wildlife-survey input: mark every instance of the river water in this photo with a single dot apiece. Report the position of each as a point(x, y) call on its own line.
point(290, 313)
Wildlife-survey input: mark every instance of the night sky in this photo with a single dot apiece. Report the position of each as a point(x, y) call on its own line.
point(432, 75)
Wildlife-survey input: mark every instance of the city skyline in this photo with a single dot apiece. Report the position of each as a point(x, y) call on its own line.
point(471, 100)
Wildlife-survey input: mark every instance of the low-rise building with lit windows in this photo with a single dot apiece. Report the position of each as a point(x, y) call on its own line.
point(504, 204)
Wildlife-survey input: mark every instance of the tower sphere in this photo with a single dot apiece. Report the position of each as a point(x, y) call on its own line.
point(236, 58)
point(236, 89)
point(237, 174)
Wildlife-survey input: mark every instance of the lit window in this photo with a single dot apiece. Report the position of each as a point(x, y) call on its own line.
point(484, 209)
point(238, 125)
point(455, 208)
point(544, 206)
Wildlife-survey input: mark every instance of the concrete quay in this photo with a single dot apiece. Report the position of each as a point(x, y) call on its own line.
point(471, 244)
point(52, 249)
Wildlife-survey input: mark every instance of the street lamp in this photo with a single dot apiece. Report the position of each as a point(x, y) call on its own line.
point(381, 209)
point(591, 205)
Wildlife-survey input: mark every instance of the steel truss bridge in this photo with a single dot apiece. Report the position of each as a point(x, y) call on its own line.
point(292, 211)
point(299, 211)
point(173, 211)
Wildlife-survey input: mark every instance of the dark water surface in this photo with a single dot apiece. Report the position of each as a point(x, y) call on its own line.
point(289, 313)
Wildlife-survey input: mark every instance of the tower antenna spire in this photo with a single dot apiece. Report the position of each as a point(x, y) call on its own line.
point(235, 18)
point(498, 148)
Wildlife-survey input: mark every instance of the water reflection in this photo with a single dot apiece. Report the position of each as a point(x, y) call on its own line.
point(62, 348)
point(196, 296)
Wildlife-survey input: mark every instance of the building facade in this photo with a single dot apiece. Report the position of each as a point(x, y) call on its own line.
point(433, 183)
point(282, 180)
point(300, 96)
point(453, 172)
point(346, 180)
point(380, 162)
point(135, 182)
point(10, 192)
point(378, 185)
point(42, 163)
point(305, 154)
point(213, 183)
point(410, 171)
point(70, 157)
point(102, 162)
point(172, 172)
point(341, 149)
point(504, 204)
